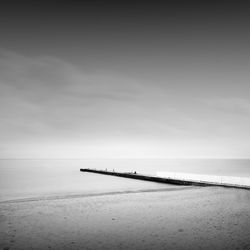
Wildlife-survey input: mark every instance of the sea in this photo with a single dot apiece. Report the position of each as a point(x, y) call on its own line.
point(33, 178)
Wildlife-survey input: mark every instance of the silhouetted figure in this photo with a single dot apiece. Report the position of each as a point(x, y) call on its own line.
point(135, 172)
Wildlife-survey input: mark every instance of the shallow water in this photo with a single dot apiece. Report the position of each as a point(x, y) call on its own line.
point(38, 178)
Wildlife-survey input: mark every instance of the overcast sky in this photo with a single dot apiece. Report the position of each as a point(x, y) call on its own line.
point(117, 80)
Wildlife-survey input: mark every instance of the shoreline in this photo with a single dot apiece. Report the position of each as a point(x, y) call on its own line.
point(88, 195)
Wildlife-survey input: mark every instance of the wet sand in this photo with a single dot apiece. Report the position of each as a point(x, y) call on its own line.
point(181, 218)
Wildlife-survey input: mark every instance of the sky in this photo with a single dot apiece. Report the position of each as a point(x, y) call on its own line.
point(124, 80)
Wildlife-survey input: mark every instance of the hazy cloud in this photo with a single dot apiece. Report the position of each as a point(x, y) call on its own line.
point(46, 95)
point(47, 102)
point(235, 105)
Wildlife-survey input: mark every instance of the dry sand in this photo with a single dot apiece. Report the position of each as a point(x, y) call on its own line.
point(187, 218)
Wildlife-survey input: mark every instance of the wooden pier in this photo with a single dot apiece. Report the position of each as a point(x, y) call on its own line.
point(160, 179)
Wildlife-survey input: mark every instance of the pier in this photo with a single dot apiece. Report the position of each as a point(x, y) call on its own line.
point(172, 181)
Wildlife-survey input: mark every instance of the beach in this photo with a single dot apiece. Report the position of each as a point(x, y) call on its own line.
point(177, 218)
point(124, 125)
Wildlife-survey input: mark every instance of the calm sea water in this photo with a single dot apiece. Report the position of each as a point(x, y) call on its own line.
point(37, 178)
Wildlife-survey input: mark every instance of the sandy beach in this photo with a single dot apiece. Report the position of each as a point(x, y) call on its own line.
point(124, 125)
point(182, 218)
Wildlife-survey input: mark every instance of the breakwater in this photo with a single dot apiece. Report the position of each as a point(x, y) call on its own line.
point(159, 179)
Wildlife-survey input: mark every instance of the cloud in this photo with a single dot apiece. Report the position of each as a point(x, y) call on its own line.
point(44, 93)
point(48, 102)
point(47, 77)
point(233, 105)
point(48, 97)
